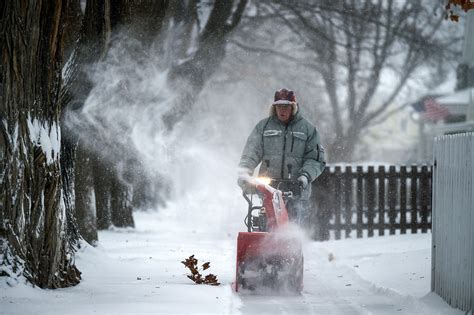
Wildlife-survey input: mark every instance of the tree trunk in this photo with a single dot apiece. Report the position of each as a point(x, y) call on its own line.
point(33, 208)
point(342, 149)
point(68, 155)
point(190, 76)
point(102, 177)
point(85, 197)
point(93, 206)
point(143, 20)
point(72, 28)
point(121, 202)
point(139, 19)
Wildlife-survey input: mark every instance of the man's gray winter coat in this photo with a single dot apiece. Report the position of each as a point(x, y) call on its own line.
point(276, 145)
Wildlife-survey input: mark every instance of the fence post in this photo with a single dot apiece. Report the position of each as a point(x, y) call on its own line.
point(424, 194)
point(381, 196)
point(403, 199)
point(392, 198)
point(348, 199)
point(337, 202)
point(370, 185)
point(322, 199)
point(413, 199)
point(359, 200)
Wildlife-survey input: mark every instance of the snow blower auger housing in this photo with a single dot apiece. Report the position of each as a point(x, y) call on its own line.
point(269, 259)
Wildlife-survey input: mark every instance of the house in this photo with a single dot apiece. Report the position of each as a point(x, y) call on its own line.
point(442, 115)
point(454, 112)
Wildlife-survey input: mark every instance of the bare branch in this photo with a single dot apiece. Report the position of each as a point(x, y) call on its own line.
point(238, 14)
point(276, 53)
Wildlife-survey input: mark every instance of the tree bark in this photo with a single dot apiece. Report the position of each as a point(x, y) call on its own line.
point(68, 164)
point(35, 223)
point(85, 197)
point(72, 28)
point(102, 178)
point(121, 202)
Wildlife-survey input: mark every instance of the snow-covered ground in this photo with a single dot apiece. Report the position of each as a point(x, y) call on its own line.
point(138, 271)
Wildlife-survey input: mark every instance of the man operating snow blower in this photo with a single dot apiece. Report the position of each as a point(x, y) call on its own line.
point(287, 147)
point(288, 150)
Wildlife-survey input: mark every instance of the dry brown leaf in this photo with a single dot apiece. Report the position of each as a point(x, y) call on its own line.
point(192, 264)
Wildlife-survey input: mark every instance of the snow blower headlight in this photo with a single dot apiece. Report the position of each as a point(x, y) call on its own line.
point(263, 180)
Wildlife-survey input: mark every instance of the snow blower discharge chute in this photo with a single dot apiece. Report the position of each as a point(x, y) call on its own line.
point(268, 257)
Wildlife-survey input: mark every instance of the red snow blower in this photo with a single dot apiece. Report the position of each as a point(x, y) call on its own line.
point(269, 254)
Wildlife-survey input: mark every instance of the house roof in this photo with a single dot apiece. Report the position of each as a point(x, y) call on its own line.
point(461, 97)
point(457, 102)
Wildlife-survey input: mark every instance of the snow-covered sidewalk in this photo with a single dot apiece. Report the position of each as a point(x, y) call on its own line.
point(139, 272)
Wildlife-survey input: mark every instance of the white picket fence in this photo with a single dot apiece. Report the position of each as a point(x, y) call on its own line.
point(452, 275)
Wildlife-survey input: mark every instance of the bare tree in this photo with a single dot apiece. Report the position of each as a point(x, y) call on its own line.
point(36, 231)
point(97, 179)
point(167, 29)
point(37, 227)
point(197, 49)
point(352, 45)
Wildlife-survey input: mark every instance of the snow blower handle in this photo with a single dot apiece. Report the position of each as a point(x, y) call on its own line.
point(290, 188)
point(246, 183)
point(251, 207)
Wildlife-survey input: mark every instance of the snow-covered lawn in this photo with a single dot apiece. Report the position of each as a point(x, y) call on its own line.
point(139, 272)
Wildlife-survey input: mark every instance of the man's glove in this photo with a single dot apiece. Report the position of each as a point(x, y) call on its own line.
point(242, 182)
point(303, 180)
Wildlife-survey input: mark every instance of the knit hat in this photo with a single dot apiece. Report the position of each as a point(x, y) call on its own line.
point(284, 97)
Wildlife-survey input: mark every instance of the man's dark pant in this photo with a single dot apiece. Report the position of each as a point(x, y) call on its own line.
point(299, 211)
